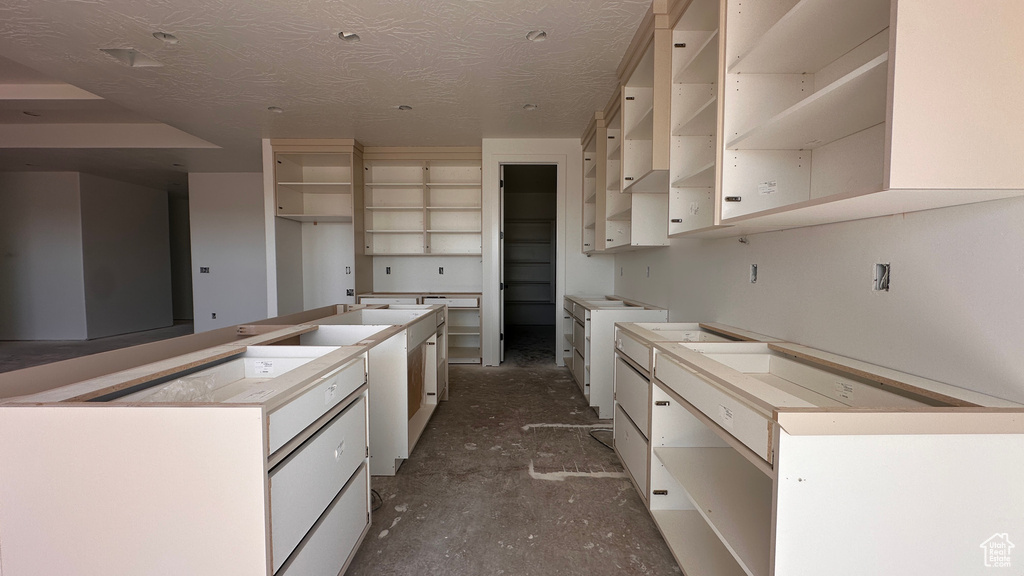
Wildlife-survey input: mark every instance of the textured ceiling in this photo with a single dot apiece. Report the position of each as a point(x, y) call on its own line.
point(464, 66)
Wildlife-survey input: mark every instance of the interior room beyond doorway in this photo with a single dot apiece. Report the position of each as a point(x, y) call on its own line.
point(529, 256)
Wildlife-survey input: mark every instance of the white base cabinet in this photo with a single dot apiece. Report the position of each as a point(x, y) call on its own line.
point(254, 464)
point(777, 459)
point(634, 349)
point(588, 342)
point(463, 318)
point(407, 372)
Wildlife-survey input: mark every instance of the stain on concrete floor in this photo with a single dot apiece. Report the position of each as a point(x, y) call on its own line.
point(466, 503)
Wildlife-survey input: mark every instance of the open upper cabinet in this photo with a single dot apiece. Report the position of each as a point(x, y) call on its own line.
point(422, 202)
point(315, 186)
point(789, 113)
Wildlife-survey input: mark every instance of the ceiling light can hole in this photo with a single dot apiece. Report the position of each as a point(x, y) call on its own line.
point(349, 36)
point(536, 35)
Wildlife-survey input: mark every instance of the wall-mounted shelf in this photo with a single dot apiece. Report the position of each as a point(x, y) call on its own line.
point(437, 200)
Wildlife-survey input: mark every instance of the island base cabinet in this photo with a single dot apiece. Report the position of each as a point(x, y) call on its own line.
point(333, 542)
point(304, 485)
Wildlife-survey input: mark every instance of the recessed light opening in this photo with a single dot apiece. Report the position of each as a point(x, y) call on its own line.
point(536, 35)
point(349, 36)
point(529, 107)
point(165, 37)
point(405, 107)
point(275, 109)
point(31, 113)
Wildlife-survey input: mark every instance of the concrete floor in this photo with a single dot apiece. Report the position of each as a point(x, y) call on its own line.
point(506, 479)
point(18, 354)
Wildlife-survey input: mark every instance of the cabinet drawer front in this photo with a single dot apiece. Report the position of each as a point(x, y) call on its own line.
point(579, 312)
point(633, 393)
point(333, 541)
point(453, 302)
point(295, 416)
point(579, 369)
point(632, 448)
point(637, 351)
point(303, 485)
point(745, 424)
point(579, 337)
point(386, 300)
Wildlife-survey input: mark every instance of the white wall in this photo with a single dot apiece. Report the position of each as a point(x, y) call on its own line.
point(327, 269)
point(126, 252)
point(575, 272)
point(289, 275)
point(42, 295)
point(954, 313)
point(226, 212)
point(420, 274)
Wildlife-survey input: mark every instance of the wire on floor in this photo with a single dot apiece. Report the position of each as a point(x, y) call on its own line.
point(375, 500)
point(605, 444)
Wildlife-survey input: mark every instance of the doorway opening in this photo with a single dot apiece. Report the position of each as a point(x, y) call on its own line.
point(528, 260)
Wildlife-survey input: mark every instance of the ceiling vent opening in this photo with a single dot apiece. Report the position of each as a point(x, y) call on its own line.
point(131, 57)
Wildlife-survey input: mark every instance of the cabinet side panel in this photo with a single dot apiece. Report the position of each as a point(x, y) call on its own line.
point(132, 490)
point(872, 504)
point(956, 111)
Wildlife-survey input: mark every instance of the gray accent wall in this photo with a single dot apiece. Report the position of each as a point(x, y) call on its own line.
point(42, 288)
point(228, 236)
point(126, 252)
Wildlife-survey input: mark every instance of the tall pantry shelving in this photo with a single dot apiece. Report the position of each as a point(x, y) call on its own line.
point(316, 185)
point(423, 209)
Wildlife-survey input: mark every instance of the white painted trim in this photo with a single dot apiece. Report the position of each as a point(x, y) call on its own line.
point(269, 224)
point(495, 153)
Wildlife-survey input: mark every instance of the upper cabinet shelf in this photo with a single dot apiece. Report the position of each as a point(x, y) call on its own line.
point(314, 186)
point(853, 103)
point(809, 36)
point(422, 204)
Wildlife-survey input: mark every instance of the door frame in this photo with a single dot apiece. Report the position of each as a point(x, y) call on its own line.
point(490, 323)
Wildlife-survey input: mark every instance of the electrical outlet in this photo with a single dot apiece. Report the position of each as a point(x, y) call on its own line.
point(753, 273)
point(881, 283)
point(440, 269)
point(204, 269)
point(214, 315)
point(350, 292)
point(621, 270)
point(387, 269)
point(648, 271)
